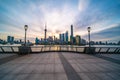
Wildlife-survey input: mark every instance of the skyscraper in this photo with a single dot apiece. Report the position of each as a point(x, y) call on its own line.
point(78, 40)
point(71, 36)
point(10, 39)
point(63, 38)
point(66, 36)
point(60, 37)
point(36, 41)
point(54, 38)
point(45, 32)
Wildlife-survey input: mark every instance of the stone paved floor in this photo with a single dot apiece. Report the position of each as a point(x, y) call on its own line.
point(59, 66)
point(6, 55)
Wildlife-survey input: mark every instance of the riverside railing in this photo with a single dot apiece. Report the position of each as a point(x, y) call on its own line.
point(39, 49)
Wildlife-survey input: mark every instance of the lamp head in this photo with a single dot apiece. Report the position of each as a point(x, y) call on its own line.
point(26, 27)
point(89, 28)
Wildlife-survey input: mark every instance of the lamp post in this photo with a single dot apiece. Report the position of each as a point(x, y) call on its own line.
point(89, 28)
point(25, 27)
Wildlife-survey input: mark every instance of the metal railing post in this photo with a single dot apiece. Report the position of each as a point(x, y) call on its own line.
point(107, 50)
point(99, 50)
point(2, 49)
point(12, 49)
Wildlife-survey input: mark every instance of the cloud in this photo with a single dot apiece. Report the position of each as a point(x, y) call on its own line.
point(60, 18)
point(97, 15)
point(109, 34)
point(83, 4)
point(59, 15)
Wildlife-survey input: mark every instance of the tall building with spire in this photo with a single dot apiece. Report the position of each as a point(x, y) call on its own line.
point(45, 32)
point(71, 36)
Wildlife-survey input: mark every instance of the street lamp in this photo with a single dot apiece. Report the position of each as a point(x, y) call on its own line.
point(89, 28)
point(25, 27)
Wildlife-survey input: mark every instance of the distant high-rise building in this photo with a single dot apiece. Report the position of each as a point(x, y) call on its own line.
point(20, 40)
point(45, 32)
point(60, 37)
point(71, 36)
point(10, 39)
point(66, 36)
point(78, 40)
point(83, 41)
point(36, 41)
point(74, 41)
point(63, 38)
point(118, 43)
point(54, 38)
point(42, 39)
point(50, 39)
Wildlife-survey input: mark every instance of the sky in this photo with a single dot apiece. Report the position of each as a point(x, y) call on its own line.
point(103, 16)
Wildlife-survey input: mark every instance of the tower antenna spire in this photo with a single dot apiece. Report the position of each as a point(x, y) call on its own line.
point(45, 25)
point(45, 31)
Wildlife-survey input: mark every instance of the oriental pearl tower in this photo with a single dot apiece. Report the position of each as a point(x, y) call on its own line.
point(45, 32)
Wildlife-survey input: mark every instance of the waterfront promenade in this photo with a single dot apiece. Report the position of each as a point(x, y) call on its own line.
point(61, 66)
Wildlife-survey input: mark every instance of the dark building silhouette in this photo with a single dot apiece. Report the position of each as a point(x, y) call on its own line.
point(83, 41)
point(54, 38)
point(60, 37)
point(36, 41)
point(78, 40)
point(66, 36)
point(63, 38)
point(10, 39)
point(20, 40)
point(45, 32)
point(118, 43)
point(50, 39)
point(71, 36)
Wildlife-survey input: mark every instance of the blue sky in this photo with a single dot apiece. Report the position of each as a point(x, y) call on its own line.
point(103, 16)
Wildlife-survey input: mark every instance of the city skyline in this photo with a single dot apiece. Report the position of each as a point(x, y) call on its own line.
point(102, 16)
